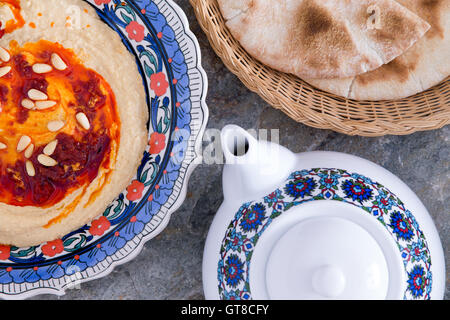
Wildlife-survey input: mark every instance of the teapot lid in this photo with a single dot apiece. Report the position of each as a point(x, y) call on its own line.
point(322, 255)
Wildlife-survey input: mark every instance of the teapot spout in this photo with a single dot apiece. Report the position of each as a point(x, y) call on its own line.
point(253, 168)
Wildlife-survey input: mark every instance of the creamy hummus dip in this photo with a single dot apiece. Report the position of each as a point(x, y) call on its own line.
point(73, 118)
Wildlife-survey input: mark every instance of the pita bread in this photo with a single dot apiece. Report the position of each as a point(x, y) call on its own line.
point(421, 67)
point(322, 38)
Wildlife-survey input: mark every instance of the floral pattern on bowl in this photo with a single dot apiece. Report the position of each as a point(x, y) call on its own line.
point(168, 56)
point(320, 184)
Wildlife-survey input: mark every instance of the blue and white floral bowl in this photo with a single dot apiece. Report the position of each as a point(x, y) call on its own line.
point(317, 225)
point(168, 57)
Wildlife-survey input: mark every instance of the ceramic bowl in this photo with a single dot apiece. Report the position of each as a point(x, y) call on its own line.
point(157, 33)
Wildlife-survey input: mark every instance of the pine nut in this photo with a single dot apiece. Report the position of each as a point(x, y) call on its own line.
point(30, 168)
point(41, 68)
point(28, 104)
point(29, 151)
point(83, 120)
point(23, 143)
point(4, 55)
point(58, 63)
point(54, 126)
point(50, 148)
point(2, 146)
point(41, 105)
point(46, 160)
point(34, 94)
point(4, 71)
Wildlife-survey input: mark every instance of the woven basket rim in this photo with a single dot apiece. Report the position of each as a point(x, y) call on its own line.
point(304, 103)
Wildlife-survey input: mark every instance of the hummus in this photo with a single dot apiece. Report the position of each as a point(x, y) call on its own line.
point(73, 118)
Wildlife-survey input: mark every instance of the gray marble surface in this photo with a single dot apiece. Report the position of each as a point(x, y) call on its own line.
point(169, 266)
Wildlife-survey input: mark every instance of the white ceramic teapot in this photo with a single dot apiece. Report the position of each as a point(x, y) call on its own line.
point(317, 225)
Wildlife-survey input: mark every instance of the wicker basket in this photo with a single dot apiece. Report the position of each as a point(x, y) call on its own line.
point(302, 102)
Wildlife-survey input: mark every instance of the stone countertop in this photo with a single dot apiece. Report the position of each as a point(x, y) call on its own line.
point(169, 266)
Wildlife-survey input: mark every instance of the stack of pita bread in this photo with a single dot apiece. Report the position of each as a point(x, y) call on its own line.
point(358, 49)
